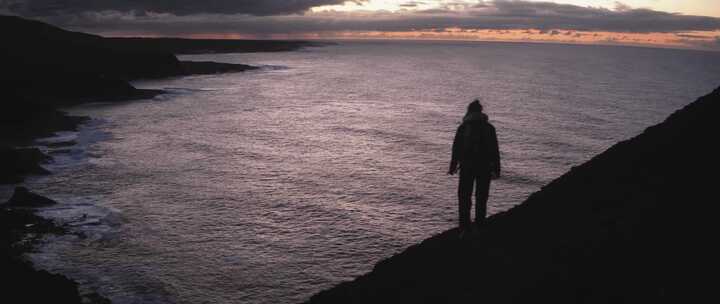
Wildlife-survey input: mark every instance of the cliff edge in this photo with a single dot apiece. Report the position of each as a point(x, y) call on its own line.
point(630, 225)
point(44, 68)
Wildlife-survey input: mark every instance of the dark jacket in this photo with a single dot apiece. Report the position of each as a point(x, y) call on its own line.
point(476, 145)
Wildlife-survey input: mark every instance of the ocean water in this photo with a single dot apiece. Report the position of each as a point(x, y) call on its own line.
point(271, 185)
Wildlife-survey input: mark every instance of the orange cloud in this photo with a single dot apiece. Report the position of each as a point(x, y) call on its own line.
point(695, 40)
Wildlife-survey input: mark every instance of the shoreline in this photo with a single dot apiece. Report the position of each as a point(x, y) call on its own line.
point(35, 85)
point(21, 230)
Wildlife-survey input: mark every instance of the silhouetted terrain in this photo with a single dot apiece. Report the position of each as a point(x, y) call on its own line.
point(21, 283)
point(62, 67)
point(632, 225)
point(42, 68)
point(20, 229)
point(22, 119)
point(40, 60)
point(45, 67)
point(204, 46)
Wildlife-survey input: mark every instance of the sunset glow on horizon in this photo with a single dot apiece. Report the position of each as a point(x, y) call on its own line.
point(690, 39)
point(661, 23)
point(692, 7)
point(664, 40)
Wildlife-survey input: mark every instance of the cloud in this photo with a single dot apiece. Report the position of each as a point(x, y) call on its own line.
point(691, 36)
point(622, 7)
point(270, 17)
point(412, 4)
point(694, 41)
point(550, 15)
point(175, 7)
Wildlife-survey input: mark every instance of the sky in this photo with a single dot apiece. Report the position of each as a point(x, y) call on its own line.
point(662, 23)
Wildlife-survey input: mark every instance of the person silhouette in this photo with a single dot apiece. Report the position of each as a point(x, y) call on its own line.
point(476, 154)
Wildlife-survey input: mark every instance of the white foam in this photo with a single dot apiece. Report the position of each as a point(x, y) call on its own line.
point(62, 136)
point(83, 216)
point(76, 151)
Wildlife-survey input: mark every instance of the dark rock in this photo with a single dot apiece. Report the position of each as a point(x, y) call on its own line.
point(24, 198)
point(209, 67)
point(19, 230)
point(18, 162)
point(60, 151)
point(205, 46)
point(23, 119)
point(61, 144)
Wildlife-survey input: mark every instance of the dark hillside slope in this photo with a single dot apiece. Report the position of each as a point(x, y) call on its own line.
point(43, 68)
point(204, 46)
point(40, 60)
point(632, 225)
point(38, 44)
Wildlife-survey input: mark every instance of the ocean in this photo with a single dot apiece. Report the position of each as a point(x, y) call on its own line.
point(270, 185)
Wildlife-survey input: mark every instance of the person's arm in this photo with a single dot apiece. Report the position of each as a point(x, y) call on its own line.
point(457, 144)
point(495, 150)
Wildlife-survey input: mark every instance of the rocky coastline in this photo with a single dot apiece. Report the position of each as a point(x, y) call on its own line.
point(632, 225)
point(45, 68)
point(20, 229)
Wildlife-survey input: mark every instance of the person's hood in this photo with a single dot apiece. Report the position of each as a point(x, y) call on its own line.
point(475, 116)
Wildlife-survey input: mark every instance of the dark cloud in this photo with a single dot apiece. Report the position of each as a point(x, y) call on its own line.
point(412, 4)
point(274, 17)
point(691, 36)
point(175, 7)
point(709, 43)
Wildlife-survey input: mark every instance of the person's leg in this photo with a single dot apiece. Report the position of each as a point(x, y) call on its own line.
point(465, 188)
point(482, 191)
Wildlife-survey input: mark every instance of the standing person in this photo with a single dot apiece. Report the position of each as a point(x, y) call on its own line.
point(475, 152)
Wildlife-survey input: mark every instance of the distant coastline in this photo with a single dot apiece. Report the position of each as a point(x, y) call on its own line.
point(46, 68)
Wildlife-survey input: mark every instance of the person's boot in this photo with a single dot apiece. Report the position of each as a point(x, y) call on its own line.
point(463, 233)
point(478, 225)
